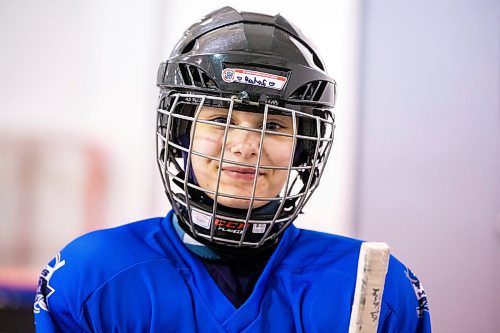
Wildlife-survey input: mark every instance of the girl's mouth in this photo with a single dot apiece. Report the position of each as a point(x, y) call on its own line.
point(243, 173)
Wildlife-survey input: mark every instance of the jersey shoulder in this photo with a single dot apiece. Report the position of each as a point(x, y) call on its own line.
point(321, 257)
point(89, 261)
point(319, 250)
point(111, 250)
point(406, 298)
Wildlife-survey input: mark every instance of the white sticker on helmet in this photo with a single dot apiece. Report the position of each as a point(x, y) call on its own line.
point(201, 219)
point(255, 78)
point(259, 228)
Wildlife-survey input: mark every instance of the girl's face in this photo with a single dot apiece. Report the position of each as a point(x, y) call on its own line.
point(241, 146)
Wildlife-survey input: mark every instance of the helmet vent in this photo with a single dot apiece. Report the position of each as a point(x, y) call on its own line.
point(195, 76)
point(189, 47)
point(318, 62)
point(311, 91)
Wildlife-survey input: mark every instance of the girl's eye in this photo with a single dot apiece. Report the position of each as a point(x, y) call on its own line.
point(221, 120)
point(272, 126)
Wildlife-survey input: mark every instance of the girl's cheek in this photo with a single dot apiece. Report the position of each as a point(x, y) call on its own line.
point(279, 150)
point(206, 143)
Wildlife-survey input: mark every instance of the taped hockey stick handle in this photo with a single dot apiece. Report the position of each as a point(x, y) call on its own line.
point(370, 279)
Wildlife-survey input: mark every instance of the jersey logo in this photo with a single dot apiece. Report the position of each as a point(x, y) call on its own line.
point(44, 290)
point(423, 305)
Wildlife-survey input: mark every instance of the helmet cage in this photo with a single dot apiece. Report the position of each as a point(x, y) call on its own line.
point(197, 207)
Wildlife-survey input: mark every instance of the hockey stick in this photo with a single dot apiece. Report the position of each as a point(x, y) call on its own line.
point(372, 268)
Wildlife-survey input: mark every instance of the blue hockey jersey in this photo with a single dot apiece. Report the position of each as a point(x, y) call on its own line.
point(140, 277)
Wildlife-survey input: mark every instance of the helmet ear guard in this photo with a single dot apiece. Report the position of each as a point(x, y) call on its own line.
point(193, 78)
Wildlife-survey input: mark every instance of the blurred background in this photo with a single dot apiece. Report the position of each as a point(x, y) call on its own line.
point(416, 161)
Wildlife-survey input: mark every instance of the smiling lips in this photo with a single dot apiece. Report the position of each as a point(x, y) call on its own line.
point(241, 172)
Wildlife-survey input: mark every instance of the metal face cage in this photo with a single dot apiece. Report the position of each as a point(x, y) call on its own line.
point(205, 209)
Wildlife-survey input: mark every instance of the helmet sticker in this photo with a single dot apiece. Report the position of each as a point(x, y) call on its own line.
point(259, 228)
point(255, 78)
point(202, 219)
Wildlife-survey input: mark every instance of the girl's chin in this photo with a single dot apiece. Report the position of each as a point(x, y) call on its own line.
point(239, 203)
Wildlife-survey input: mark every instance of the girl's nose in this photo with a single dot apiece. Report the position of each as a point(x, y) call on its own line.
point(245, 143)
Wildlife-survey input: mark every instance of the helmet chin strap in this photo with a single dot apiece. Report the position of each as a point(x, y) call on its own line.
point(205, 249)
point(219, 251)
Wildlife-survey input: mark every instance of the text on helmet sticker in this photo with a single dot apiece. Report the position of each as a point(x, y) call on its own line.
point(255, 78)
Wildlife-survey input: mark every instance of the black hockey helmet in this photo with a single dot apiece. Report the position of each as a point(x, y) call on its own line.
point(251, 62)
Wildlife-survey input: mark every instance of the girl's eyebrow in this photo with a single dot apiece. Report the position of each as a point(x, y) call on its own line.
point(279, 117)
point(214, 111)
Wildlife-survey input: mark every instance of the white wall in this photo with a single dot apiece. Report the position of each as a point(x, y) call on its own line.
point(78, 75)
point(430, 157)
